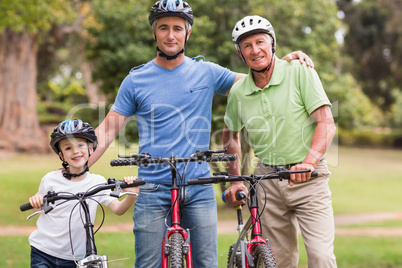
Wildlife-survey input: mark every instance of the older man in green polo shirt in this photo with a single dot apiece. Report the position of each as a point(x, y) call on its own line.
point(287, 115)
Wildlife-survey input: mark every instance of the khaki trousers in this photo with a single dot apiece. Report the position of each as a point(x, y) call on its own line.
point(306, 205)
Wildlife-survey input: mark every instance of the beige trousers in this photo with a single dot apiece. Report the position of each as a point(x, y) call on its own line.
point(305, 205)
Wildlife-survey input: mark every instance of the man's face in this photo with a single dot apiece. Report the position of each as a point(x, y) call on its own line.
point(170, 33)
point(257, 50)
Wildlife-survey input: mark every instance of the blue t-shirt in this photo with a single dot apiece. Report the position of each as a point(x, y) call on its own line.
point(173, 111)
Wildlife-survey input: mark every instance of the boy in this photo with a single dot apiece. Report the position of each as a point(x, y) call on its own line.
point(73, 141)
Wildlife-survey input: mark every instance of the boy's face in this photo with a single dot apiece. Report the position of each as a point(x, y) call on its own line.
point(75, 152)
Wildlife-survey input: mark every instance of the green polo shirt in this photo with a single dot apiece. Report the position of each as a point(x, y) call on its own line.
point(277, 117)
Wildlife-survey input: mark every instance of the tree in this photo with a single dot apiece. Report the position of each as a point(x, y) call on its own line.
point(23, 25)
point(20, 26)
point(373, 42)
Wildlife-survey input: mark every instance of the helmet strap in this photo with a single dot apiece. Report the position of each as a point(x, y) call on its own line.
point(162, 54)
point(69, 175)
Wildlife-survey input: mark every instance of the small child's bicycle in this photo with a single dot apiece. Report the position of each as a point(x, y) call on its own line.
point(92, 260)
point(250, 250)
point(176, 246)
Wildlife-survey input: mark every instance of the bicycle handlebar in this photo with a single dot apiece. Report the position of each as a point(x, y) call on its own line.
point(226, 177)
point(145, 159)
point(111, 184)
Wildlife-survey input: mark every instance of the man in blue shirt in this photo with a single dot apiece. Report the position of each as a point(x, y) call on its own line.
point(171, 98)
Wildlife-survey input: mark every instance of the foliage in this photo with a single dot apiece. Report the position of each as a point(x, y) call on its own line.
point(373, 42)
point(67, 89)
point(309, 26)
point(351, 107)
point(397, 109)
point(119, 38)
point(33, 15)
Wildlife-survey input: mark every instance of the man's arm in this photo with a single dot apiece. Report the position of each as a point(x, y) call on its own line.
point(231, 142)
point(303, 57)
point(107, 132)
point(322, 138)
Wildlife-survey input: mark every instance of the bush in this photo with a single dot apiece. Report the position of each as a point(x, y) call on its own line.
point(376, 137)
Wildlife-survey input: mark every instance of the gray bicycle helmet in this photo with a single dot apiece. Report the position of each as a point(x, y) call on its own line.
point(251, 25)
point(175, 8)
point(72, 129)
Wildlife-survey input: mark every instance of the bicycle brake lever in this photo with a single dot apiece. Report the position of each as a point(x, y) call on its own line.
point(34, 214)
point(116, 193)
point(46, 208)
point(127, 193)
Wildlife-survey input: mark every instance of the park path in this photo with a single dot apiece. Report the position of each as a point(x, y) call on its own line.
point(230, 226)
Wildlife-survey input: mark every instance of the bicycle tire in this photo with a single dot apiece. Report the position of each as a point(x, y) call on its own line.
point(236, 260)
point(176, 257)
point(264, 257)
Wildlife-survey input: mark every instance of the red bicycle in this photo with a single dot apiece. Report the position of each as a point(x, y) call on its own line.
point(250, 250)
point(176, 245)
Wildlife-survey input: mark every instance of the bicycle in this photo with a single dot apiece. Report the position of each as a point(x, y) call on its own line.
point(176, 244)
point(92, 259)
point(250, 250)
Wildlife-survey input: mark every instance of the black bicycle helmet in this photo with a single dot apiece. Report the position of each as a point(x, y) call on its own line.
point(72, 129)
point(175, 8)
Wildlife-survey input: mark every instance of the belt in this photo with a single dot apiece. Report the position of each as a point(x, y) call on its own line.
point(286, 166)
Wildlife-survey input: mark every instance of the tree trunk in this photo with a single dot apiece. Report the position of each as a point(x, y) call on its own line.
point(95, 95)
point(19, 123)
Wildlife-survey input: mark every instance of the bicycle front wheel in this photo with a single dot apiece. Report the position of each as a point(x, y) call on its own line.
point(236, 259)
point(264, 257)
point(176, 258)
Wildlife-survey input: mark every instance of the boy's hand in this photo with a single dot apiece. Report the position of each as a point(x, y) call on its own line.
point(36, 201)
point(130, 180)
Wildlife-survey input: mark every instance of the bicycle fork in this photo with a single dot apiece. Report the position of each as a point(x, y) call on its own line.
point(167, 248)
point(92, 257)
point(256, 238)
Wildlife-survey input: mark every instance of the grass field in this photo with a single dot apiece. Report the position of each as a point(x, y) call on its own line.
point(362, 181)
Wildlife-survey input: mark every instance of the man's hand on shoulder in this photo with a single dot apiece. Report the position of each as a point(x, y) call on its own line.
point(303, 57)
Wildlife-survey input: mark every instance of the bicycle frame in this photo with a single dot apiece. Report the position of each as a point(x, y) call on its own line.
point(167, 245)
point(176, 227)
point(249, 248)
point(253, 224)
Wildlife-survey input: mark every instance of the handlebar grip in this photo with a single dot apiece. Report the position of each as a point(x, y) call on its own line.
point(314, 174)
point(223, 157)
point(123, 162)
point(200, 181)
point(26, 207)
point(137, 182)
point(239, 195)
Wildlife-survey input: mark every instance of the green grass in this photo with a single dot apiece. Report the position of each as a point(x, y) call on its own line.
point(376, 224)
point(362, 181)
point(365, 180)
point(351, 252)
